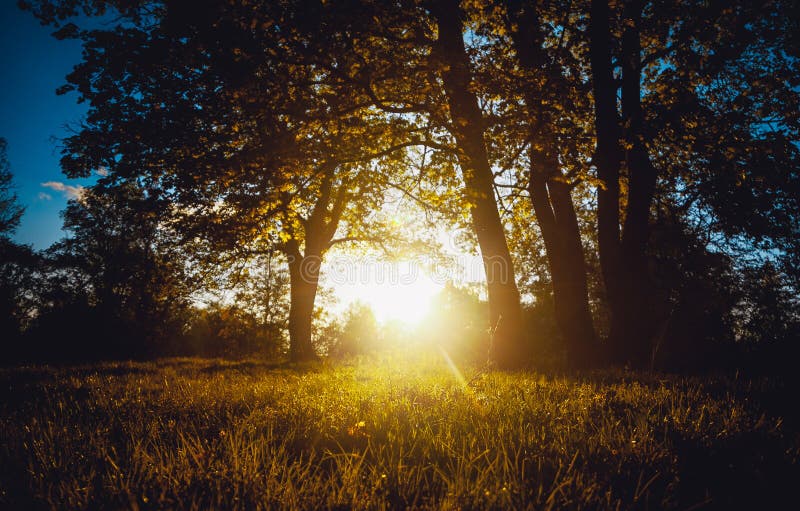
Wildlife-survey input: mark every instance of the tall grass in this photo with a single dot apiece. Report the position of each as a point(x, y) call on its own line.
point(383, 433)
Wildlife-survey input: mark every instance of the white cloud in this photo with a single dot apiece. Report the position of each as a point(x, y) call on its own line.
point(71, 192)
point(102, 171)
point(44, 196)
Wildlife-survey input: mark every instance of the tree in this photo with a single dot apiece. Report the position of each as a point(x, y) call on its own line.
point(10, 210)
point(227, 111)
point(121, 273)
point(410, 59)
point(673, 74)
point(539, 94)
point(17, 264)
point(505, 313)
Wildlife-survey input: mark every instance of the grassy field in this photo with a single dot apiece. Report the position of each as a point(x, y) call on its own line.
point(390, 432)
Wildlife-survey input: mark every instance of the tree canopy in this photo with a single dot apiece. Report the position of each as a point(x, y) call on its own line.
point(591, 148)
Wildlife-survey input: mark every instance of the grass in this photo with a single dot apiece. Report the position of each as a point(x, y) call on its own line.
point(386, 433)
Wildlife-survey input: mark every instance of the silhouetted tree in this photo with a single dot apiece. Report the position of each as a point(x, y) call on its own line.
point(121, 269)
point(467, 127)
point(17, 266)
point(544, 142)
point(673, 64)
point(10, 210)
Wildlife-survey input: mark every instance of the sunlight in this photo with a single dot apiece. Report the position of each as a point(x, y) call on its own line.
point(399, 292)
point(408, 303)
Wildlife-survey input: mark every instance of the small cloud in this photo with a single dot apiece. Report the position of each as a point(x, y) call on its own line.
point(44, 196)
point(71, 192)
point(102, 171)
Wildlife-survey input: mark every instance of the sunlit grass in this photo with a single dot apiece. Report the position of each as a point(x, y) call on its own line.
point(378, 433)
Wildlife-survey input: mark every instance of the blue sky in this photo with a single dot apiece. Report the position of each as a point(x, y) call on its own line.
point(33, 117)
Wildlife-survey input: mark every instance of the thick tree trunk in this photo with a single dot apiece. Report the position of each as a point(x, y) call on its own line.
point(608, 154)
point(558, 223)
point(304, 281)
point(623, 263)
point(631, 330)
point(607, 159)
point(552, 200)
point(508, 348)
point(318, 231)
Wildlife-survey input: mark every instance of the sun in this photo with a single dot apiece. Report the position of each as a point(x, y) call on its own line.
point(404, 294)
point(406, 303)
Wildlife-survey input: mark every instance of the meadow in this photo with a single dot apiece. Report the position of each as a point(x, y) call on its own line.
point(397, 432)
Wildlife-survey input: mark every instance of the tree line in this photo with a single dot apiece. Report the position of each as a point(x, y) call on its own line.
point(634, 163)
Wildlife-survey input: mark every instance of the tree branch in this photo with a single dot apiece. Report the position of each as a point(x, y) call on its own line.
point(361, 239)
point(389, 150)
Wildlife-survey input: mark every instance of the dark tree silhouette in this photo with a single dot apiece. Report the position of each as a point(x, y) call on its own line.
point(505, 314)
point(123, 275)
point(10, 210)
point(17, 266)
point(672, 74)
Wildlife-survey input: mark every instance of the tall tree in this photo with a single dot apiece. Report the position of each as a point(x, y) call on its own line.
point(621, 139)
point(467, 126)
point(608, 155)
point(410, 58)
point(677, 62)
point(556, 161)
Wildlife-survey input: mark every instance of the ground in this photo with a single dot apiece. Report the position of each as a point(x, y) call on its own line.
point(388, 432)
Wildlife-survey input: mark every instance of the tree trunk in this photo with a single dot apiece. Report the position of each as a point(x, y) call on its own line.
point(628, 291)
point(556, 217)
point(304, 281)
point(607, 159)
point(508, 347)
point(631, 330)
point(318, 230)
point(551, 198)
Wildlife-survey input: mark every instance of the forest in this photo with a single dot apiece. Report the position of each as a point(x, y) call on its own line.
point(626, 172)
